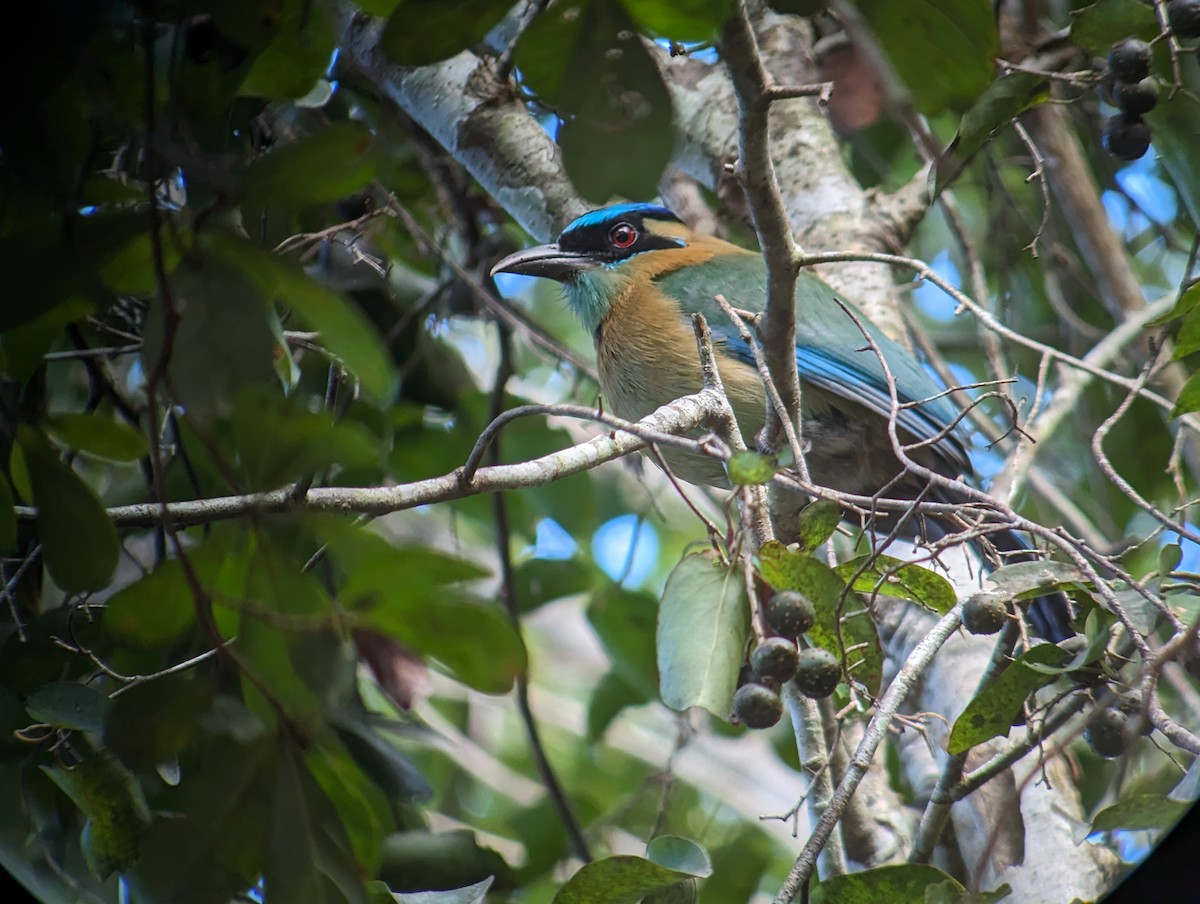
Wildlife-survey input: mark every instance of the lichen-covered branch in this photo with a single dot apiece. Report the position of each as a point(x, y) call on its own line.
point(476, 116)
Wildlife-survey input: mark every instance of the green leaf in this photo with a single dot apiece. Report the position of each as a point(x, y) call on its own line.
point(214, 844)
point(959, 34)
point(539, 55)
point(610, 696)
point(297, 56)
point(991, 713)
point(452, 629)
point(1099, 26)
point(471, 894)
point(1096, 631)
point(680, 20)
point(894, 577)
point(277, 440)
point(133, 270)
point(20, 475)
point(8, 518)
point(701, 636)
point(22, 347)
point(747, 467)
point(818, 520)
point(621, 879)
point(1187, 340)
point(68, 704)
point(326, 166)
point(79, 541)
point(418, 860)
point(612, 95)
point(1176, 130)
point(309, 859)
point(150, 723)
point(153, 610)
point(680, 854)
point(539, 581)
point(1169, 557)
point(344, 330)
point(421, 32)
point(1189, 397)
point(1139, 812)
point(1029, 580)
point(32, 258)
point(443, 623)
point(899, 883)
point(1185, 304)
point(364, 808)
point(1004, 99)
point(325, 661)
point(785, 569)
point(112, 800)
point(372, 559)
point(624, 621)
point(380, 8)
point(224, 340)
point(284, 638)
point(386, 766)
point(99, 435)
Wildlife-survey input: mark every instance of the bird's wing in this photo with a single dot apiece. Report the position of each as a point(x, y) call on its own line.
point(831, 353)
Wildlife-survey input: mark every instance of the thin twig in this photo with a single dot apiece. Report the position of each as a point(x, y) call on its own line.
point(510, 597)
point(10, 589)
point(886, 708)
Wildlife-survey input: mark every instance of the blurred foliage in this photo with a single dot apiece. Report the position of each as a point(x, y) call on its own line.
point(231, 266)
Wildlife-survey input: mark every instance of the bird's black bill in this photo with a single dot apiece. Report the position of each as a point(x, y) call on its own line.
point(547, 261)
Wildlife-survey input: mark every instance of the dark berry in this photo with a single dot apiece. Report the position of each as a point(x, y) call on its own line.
point(1184, 16)
point(1129, 60)
point(1136, 98)
point(818, 672)
point(790, 613)
point(756, 706)
point(1105, 733)
point(1127, 137)
point(984, 613)
point(775, 660)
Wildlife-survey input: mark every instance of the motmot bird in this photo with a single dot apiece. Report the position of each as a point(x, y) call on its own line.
point(634, 273)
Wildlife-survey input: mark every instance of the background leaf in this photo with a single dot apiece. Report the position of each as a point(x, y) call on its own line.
point(701, 635)
point(79, 541)
point(421, 32)
point(992, 712)
point(612, 95)
point(100, 436)
point(68, 704)
point(961, 33)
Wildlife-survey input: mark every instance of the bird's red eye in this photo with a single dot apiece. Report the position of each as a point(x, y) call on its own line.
point(622, 235)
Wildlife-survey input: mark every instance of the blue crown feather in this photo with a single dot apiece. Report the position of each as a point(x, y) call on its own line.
point(605, 214)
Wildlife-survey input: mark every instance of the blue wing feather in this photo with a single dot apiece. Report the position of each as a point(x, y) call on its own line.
point(831, 353)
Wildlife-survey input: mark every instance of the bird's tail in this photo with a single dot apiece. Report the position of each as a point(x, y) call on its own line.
point(1049, 615)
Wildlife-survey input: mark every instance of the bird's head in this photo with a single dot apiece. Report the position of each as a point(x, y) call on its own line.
point(597, 255)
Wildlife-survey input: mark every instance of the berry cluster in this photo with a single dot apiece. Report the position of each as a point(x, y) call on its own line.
point(816, 672)
point(1134, 90)
point(1127, 135)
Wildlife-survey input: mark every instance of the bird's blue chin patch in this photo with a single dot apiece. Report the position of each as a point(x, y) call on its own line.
point(590, 294)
